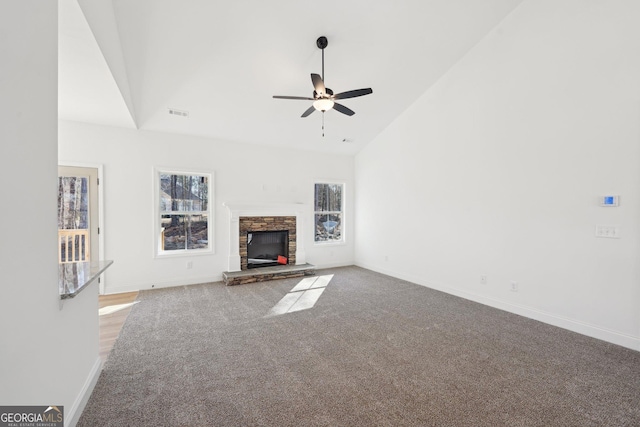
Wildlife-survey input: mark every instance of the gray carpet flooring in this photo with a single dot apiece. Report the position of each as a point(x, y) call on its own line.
point(373, 351)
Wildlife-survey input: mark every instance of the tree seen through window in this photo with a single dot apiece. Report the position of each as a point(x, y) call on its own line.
point(328, 212)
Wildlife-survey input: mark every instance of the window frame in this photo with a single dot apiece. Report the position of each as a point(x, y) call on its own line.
point(158, 213)
point(342, 213)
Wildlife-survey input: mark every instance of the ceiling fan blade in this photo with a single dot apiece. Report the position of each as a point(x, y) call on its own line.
point(344, 110)
point(353, 93)
point(309, 111)
point(293, 97)
point(318, 84)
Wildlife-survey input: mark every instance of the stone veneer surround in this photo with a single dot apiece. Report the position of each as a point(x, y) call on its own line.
point(238, 210)
point(250, 224)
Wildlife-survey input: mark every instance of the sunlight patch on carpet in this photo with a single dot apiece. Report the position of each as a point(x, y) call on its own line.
point(113, 308)
point(303, 296)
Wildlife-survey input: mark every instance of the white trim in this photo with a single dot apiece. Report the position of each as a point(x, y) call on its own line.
point(73, 416)
point(166, 284)
point(156, 170)
point(343, 215)
point(330, 242)
point(625, 340)
point(238, 209)
point(100, 168)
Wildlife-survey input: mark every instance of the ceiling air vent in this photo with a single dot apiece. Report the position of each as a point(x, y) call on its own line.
point(180, 113)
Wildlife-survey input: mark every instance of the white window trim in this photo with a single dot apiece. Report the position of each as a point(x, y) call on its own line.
point(343, 239)
point(157, 170)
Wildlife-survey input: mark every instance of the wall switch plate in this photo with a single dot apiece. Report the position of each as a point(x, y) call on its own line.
point(189, 265)
point(608, 231)
point(514, 287)
point(483, 279)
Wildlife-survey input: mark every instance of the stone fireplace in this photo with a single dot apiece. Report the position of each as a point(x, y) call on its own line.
point(244, 217)
point(255, 225)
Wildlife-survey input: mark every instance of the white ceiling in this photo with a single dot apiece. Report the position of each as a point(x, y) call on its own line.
point(126, 62)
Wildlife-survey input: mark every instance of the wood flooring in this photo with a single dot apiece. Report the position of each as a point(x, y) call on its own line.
point(111, 324)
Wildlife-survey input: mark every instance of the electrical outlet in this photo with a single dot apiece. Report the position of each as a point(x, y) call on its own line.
point(608, 231)
point(189, 265)
point(514, 286)
point(386, 257)
point(483, 279)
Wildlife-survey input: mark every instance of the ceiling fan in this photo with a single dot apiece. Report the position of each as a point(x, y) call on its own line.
point(323, 97)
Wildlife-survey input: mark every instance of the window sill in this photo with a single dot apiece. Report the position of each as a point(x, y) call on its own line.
point(340, 243)
point(183, 253)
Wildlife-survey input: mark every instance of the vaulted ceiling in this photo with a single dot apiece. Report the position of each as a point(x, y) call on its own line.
point(127, 62)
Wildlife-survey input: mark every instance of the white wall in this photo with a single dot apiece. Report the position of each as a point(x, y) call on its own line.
point(496, 171)
point(243, 173)
point(48, 351)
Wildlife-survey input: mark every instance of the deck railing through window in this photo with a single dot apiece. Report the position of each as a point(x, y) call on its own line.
point(73, 246)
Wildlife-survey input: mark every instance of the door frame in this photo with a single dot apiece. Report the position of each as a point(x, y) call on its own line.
point(99, 167)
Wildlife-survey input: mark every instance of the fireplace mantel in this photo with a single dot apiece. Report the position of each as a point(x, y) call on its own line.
point(238, 209)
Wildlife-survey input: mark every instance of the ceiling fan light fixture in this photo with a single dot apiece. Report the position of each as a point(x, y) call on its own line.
point(323, 97)
point(323, 104)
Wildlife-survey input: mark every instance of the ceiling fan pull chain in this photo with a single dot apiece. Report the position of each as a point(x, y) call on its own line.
point(323, 124)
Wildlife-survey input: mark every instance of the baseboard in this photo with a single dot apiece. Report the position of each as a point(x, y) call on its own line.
point(163, 284)
point(73, 415)
point(133, 287)
point(332, 265)
point(573, 325)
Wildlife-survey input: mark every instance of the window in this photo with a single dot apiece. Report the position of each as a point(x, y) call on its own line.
point(328, 212)
point(73, 219)
point(184, 213)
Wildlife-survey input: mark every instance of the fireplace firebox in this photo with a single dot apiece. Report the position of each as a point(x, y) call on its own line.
point(256, 224)
point(267, 248)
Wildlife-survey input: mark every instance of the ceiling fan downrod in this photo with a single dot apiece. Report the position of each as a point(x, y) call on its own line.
point(322, 42)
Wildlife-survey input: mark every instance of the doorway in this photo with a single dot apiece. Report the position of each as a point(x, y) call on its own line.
point(78, 215)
